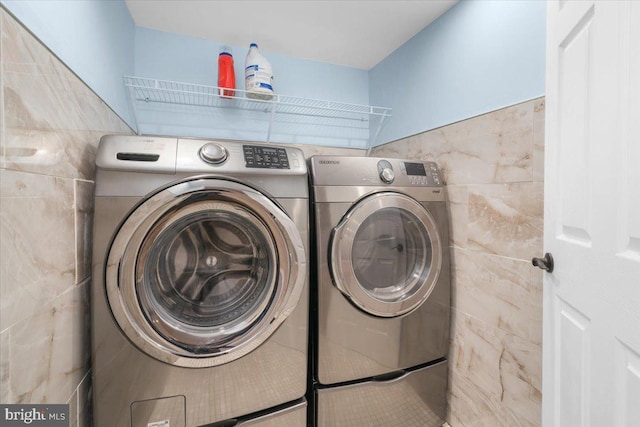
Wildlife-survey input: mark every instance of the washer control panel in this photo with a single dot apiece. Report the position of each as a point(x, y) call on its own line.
point(422, 173)
point(256, 156)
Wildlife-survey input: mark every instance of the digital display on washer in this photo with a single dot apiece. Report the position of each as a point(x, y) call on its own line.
point(265, 157)
point(416, 169)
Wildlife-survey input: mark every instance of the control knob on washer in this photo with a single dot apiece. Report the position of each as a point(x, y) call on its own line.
point(213, 153)
point(387, 176)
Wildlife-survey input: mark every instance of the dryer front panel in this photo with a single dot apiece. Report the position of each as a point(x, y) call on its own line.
point(204, 271)
point(386, 254)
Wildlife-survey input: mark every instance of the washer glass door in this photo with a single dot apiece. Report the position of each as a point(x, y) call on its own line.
point(386, 254)
point(204, 271)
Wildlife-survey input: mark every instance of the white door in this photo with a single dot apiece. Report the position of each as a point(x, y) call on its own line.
point(591, 366)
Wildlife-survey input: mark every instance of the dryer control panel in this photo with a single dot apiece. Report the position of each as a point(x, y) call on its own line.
point(371, 171)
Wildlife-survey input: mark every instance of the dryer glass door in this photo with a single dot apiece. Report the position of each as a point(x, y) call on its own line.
point(386, 254)
point(204, 271)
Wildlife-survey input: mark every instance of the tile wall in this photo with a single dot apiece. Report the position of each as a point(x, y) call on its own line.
point(493, 168)
point(50, 124)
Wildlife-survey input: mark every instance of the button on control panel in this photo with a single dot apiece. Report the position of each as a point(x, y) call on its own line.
point(256, 156)
point(385, 172)
point(214, 154)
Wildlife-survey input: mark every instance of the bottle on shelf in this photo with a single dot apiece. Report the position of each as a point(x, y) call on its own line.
point(226, 73)
point(258, 75)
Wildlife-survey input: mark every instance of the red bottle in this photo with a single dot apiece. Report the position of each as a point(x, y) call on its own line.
point(226, 74)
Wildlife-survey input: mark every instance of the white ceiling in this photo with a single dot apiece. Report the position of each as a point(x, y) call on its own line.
point(353, 33)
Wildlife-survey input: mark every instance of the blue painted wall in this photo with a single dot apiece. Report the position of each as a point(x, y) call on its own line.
point(478, 57)
point(174, 57)
point(93, 38)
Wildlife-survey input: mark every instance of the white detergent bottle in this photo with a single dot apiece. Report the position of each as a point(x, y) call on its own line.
point(258, 75)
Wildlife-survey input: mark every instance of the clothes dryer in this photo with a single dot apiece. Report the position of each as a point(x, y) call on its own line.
point(382, 286)
point(200, 283)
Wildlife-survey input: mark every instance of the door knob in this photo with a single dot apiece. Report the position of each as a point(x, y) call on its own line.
point(545, 263)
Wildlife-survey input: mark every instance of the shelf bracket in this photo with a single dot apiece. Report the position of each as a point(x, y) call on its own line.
point(134, 109)
point(374, 138)
point(272, 117)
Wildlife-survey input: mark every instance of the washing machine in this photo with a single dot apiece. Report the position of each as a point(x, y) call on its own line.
point(200, 283)
point(381, 292)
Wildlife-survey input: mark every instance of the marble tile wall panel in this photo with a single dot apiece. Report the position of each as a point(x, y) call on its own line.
point(536, 305)
point(80, 404)
point(52, 121)
point(50, 125)
point(43, 92)
point(63, 153)
point(538, 140)
point(2, 137)
point(458, 204)
point(313, 150)
point(493, 148)
point(501, 219)
point(84, 402)
point(503, 293)
point(73, 409)
point(506, 219)
point(83, 196)
point(38, 243)
point(50, 350)
point(5, 366)
point(495, 377)
point(493, 166)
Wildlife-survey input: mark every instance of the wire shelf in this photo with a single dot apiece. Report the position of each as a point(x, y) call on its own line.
point(145, 91)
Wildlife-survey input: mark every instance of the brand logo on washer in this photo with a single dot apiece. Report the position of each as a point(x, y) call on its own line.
point(329, 162)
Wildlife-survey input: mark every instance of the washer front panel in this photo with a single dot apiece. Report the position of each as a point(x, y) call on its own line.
point(386, 254)
point(204, 271)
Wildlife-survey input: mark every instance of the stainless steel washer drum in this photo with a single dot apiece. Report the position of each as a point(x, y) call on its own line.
point(204, 271)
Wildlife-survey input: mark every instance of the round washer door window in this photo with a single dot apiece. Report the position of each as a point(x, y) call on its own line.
point(386, 254)
point(204, 271)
